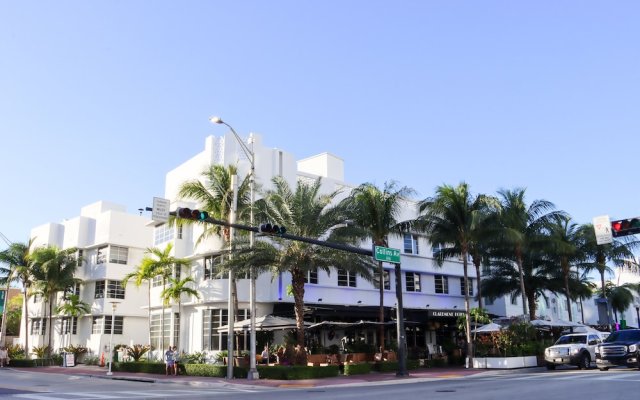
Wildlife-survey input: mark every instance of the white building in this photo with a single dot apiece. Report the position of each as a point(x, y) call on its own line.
point(111, 242)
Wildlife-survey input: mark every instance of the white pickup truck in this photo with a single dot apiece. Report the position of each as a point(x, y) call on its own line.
point(575, 349)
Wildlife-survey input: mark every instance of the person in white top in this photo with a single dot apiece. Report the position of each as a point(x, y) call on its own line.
point(4, 357)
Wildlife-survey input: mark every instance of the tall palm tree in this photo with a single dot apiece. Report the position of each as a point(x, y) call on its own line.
point(451, 217)
point(158, 262)
point(374, 214)
point(520, 223)
point(17, 270)
point(53, 271)
point(72, 307)
point(214, 194)
point(621, 296)
point(144, 273)
point(564, 246)
point(308, 213)
point(174, 291)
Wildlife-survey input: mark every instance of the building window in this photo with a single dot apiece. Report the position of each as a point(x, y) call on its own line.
point(470, 286)
point(118, 322)
point(386, 279)
point(514, 300)
point(38, 326)
point(73, 289)
point(179, 233)
point(97, 324)
point(79, 257)
point(162, 234)
point(442, 284)
point(488, 301)
point(346, 278)
point(37, 297)
point(312, 276)
point(436, 248)
point(212, 268)
point(412, 281)
point(411, 244)
point(486, 269)
point(115, 290)
point(118, 255)
point(101, 256)
point(70, 325)
point(211, 321)
point(99, 293)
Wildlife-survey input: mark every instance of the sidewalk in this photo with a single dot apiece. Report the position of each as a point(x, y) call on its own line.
point(356, 380)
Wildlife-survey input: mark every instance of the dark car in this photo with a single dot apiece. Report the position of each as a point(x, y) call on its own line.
point(621, 348)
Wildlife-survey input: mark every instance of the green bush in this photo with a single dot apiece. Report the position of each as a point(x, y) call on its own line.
point(22, 363)
point(436, 362)
point(15, 351)
point(392, 366)
point(91, 360)
point(294, 372)
point(216, 371)
point(146, 367)
point(357, 369)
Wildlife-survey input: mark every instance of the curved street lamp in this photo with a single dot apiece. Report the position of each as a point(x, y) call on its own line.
point(249, 153)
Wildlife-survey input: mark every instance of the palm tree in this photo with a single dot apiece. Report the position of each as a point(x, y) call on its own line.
point(53, 271)
point(159, 262)
point(308, 213)
point(451, 217)
point(18, 270)
point(145, 272)
point(374, 214)
point(214, 194)
point(174, 291)
point(564, 245)
point(620, 297)
point(72, 307)
point(519, 225)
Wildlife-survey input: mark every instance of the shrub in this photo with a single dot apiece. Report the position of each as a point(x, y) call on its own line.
point(297, 372)
point(146, 367)
point(199, 357)
point(357, 369)
point(137, 351)
point(91, 360)
point(16, 352)
point(216, 371)
point(391, 366)
point(41, 351)
point(22, 363)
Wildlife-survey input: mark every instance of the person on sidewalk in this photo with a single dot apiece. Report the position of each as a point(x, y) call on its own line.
point(176, 359)
point(4, 357)
point(170, 361)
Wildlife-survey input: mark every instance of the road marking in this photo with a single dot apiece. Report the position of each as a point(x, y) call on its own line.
point(123, 394)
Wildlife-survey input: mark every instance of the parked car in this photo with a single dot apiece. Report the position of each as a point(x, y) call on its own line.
point(575, 349)
point(621, 348)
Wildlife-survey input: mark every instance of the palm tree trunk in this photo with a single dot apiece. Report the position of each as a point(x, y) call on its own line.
point(522, 287)
point(297, 282)
point(234, 285)
point(50, 323)
point(467, 309)
point(532, 305)
point(162, 317)
point(476, 263)
point(3, 329)
point(149, 319)
point(381, 309)
point(26, 321)
point(565, 273)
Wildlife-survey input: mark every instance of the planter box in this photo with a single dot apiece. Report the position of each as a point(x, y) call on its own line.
point(505, 362)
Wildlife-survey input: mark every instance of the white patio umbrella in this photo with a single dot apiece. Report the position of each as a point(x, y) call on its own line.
point(558, 323)
point(488, 328)
point(264, 323)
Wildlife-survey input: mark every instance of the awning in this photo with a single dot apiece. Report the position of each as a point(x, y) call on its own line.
point(264, 323)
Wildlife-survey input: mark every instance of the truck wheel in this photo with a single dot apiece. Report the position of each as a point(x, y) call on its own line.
point(551, 367)
point(603, 368)
point(585, 362)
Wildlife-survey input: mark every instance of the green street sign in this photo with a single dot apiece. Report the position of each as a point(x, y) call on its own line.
point(386, 254)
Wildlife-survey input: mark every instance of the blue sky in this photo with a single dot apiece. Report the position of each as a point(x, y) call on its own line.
point(99, 99)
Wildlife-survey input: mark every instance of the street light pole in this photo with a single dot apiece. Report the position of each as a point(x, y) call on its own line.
point(638, 314)
point(250, 154)
point(114, 305)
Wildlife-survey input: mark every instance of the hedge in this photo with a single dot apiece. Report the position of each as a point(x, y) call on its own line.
point(391, 366)
point(216, 371)
point(357, 369)
point(146, 367)
point(22, 363)
point(297, 372)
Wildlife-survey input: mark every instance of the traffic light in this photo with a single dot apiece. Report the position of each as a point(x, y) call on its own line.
point(272, 229)
point(187, 213)
point(624, 227)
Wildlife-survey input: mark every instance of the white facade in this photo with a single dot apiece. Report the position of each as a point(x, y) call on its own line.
point(111, 243)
